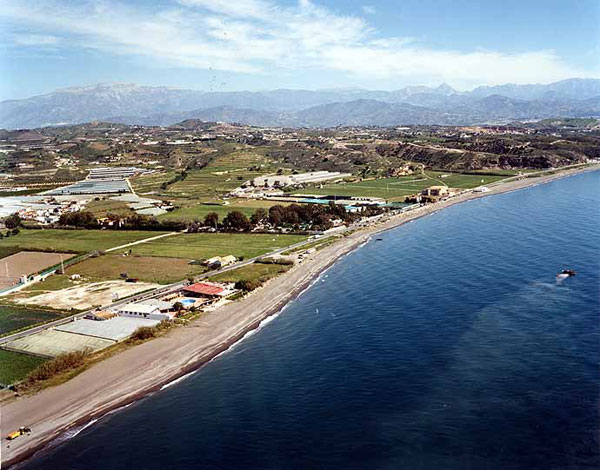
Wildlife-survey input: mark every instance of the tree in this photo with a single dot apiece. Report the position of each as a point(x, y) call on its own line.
point(259, 216)
point(13, 221)
point(237, 221)
point(211, 220)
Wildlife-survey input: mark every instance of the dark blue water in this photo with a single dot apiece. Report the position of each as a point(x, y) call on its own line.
point(449, 345)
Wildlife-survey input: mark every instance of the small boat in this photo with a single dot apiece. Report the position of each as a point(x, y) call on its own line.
point(565, 273)
point(379, 239)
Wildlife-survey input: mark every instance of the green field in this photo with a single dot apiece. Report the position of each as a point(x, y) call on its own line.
point(396, 189)
point(222, 175)
point(159, 270)
point(14, 318)
point(252, 272)
point(151, 183)
point(73, 240)
point(15, 366)
point(8, 250)
point(207, 245)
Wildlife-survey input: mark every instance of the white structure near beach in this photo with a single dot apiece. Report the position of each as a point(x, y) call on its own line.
point(301, 178)
point(152, 312)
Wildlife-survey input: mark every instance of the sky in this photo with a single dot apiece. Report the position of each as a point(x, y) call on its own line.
point(228, 45)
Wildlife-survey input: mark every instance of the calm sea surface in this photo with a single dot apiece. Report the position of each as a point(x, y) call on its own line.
point(448, 345)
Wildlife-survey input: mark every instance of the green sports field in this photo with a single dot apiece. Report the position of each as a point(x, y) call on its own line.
point(207, 245)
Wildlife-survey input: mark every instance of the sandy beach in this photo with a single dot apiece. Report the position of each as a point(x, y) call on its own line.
point(127, 376)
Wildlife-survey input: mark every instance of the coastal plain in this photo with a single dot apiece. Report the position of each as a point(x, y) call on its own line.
point(146, 367)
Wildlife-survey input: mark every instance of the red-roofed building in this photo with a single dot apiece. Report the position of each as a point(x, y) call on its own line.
point(204, 289)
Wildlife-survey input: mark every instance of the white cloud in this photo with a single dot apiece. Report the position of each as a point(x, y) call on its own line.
point(261, 36)
point(34, 40)
point(369, 9)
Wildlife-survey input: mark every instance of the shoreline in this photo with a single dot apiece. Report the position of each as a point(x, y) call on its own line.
point(124, 378)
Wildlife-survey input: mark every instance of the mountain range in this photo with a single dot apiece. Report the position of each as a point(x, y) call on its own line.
point(133, 104)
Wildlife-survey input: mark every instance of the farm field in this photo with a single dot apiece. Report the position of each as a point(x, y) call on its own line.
point(252, 272)
point(396, 189)
point(158, 270)
point(14, 318)
point(151, 183)
point(222, 175)
point(73, 240)
point(206, 245)
point(105, 206)
point(15, 366)
point(27, 263)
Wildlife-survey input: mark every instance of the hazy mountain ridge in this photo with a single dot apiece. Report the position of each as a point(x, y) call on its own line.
point(321, 108)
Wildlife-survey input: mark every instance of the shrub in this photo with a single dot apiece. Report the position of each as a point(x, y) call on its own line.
point(143, 333)
point(59, 364)
point(248, 284)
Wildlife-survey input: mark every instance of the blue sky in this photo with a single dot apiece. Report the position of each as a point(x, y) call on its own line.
point(225, 45)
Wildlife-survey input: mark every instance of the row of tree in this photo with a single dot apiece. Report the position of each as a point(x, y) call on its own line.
point(295, 217)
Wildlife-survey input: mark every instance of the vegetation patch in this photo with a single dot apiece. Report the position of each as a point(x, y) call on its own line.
point(160, 270)
point(15, 318)
point(72, 240)
point(255, 272)
point(207, 245)
point(16, 366)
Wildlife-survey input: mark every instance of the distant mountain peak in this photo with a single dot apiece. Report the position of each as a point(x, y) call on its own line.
point(445, 89)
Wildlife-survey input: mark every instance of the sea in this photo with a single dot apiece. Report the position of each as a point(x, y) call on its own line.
point(448, 344)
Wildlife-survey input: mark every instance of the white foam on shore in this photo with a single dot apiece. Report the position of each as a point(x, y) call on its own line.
point(71, 433)
point(176, 381)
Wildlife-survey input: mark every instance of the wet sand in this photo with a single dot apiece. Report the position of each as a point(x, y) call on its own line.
point(127, 376)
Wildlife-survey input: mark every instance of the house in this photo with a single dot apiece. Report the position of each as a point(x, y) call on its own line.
point(162, 305)
point(205, 289)
point(220, 261)
point(435, 193)
point(151, 312)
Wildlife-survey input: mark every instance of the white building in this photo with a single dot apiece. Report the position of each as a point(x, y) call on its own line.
point(301, 178)
point(151, 312)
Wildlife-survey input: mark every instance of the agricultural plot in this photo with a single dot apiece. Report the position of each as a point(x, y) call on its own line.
point(159, 270)
point(150, 184)
point(73, 240)
point(396, 189)
point(221, 176)
point(15, 318)
point(26, 263)
point(16, 366)
point(207, 245)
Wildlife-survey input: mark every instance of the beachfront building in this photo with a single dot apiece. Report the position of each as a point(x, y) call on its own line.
point(435, 193)
point(205, 289)
point(151, 312)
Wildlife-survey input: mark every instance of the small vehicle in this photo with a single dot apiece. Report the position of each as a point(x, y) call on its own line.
point(22, 431)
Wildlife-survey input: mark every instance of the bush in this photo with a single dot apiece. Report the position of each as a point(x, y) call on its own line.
point(143, 333)
point(55, 366)
point(248, 284)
